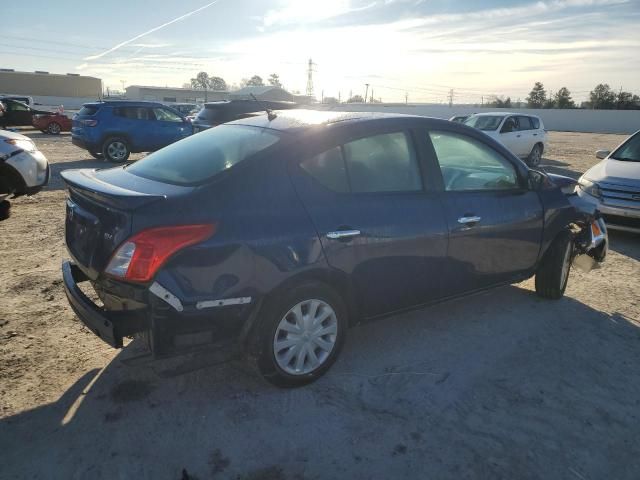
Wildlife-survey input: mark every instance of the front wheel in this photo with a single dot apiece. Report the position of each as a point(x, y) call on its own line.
point(116, 150)
point(535, 157)
point(553, 273)
point(301, 336)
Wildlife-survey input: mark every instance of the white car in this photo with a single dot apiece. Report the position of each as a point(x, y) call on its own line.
point(613, 185)
point(524, 135)
point(24, 170)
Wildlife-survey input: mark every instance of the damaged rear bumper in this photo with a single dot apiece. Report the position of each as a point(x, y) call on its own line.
point(110, 326)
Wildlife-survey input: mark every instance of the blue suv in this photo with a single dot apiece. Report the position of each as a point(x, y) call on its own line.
point(113, 130)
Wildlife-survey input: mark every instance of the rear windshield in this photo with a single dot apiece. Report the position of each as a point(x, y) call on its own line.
point(485, 122)
point(88, 110)
point(200, 157)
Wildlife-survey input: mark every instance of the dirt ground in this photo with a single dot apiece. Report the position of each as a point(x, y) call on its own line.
point(500, 385)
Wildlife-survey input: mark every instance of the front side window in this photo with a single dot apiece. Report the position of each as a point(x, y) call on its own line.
point(511, 124)
point(382, 163)
point(487, 123)
point(524, 123)
point(17, 107)
point(468, 164)
point(133, 113)
point(166, 115)
point(200, 157)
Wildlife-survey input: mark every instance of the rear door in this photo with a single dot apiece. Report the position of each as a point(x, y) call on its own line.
point(495, 222)
point(525, 128)
point(169, 127)
point(376, 221)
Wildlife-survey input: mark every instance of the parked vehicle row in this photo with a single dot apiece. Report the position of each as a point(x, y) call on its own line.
point(217, 113)
point(280, 231)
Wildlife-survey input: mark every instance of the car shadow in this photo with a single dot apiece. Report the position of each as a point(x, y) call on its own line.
point(625, 243)
point(500, 385)
point(559, 168)
point(55, 180)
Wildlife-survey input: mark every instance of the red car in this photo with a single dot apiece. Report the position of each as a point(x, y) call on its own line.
point(53, 123)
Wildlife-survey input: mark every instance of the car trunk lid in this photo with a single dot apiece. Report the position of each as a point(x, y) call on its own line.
point(100, 209)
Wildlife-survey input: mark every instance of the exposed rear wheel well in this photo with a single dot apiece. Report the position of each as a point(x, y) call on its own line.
point(11, 182)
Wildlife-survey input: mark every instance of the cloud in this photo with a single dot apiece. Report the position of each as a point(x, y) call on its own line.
point(310, 11)
point(148, 32)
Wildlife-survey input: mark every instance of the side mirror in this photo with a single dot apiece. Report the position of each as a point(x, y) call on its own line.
point(536, 180)
point(602, 154)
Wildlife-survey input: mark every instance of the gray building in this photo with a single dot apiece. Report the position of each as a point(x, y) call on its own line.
point(47, 88)
point(173, 95)
point(267, 93)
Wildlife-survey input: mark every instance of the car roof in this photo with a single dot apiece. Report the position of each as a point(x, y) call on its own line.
point(301, 119)
point(124, 103)
point(503, 114)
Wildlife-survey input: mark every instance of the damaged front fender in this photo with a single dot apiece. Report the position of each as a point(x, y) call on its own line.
point(590, 235)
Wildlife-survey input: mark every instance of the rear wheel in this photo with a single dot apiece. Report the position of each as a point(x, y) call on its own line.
point(553, 273)
point(535, 157)
point(301, 337)
point(5, 209)
point(116, 149)
point(54, 128)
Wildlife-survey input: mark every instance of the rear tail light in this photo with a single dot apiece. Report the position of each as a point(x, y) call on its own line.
point(89, 123)
point(139, 258)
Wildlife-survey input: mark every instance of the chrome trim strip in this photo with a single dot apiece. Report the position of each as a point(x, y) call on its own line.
point(164, 294)
point(223, 302)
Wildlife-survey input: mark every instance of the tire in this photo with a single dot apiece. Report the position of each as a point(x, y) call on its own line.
point(54, 128)
point(5, 209)
point(97, 155)
point(291, 364)
point(116, 150)
point(535, 157)
point(553, 272)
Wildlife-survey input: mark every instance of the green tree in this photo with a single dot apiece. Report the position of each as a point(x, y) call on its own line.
point(499, 102)
point(537, 97)
point(550, 101)
point(331, 100)
point(201, 82)
point(274, 79)
point(627, 101)
point(602, 97)
point(255, 81)
point(563, 99)
point(356, 99)
point(217, 83)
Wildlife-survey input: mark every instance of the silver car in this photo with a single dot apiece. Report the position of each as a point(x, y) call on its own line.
point(24, 170)
point(614, 185)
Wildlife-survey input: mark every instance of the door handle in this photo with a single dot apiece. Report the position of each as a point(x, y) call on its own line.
point(518, 136)
point(535, 134)
point(341, 234)
point(468, 220)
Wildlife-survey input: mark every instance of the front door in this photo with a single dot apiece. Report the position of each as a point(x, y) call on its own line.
point(495, 222)
point(168, 127)
point(376, 222)
point(18, 114)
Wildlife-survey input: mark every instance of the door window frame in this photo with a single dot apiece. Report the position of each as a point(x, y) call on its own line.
point(432, 159)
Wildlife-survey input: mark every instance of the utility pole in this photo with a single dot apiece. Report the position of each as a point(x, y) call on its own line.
point(451, 95)
point(482, 101)
point(322, 97)
point(406, 98)
point(339, 97)
point(310, 79)
point(366, 93)
point(371, 98)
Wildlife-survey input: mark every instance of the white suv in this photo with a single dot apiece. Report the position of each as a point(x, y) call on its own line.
point(523, 135)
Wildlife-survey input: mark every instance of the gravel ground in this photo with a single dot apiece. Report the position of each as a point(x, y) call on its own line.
point(500, 385)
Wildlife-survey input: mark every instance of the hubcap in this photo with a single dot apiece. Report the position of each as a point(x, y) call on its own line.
point(117, 150)
point(536, 156)
point(305, 337)
point(566, 264)
point(54, 128)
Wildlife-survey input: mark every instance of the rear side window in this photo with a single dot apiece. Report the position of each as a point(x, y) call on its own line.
point(88, 110)
point(200, 157)
point(328, 169)
point(133, 113)
point(535, 122)
point(166, 115)
point(524, 123)
point(382, 163)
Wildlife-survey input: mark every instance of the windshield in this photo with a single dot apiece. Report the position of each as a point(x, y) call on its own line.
point(484, 122)
point(630, 151)
point(200, 157)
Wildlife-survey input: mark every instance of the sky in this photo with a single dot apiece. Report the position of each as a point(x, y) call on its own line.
point(419, 48)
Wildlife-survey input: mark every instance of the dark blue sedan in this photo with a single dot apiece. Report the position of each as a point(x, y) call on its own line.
point(281, 231)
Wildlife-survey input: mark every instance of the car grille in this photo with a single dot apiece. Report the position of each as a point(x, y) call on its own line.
point(617, 193)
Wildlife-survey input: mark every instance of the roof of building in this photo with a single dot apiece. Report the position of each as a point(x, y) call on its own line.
point(43, 73)
point(176, 88)
point(257, 90)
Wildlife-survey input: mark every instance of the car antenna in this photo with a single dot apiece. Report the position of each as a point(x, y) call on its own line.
point(271, 115)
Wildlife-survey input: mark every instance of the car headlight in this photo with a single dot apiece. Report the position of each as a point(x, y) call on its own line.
point(590, 187)
point(26, 145)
